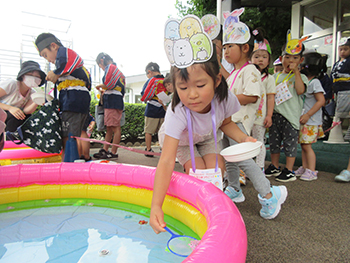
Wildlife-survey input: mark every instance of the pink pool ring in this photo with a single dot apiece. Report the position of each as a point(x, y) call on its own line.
point(224, 239)
point(20, 153)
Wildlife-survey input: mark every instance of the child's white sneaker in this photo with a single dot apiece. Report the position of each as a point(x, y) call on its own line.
point(309, 175)
point(235, 196)
point(344, 176)
point(271, 207)
point(300, 171)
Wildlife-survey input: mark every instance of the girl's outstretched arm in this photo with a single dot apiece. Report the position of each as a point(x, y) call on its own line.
point(234, 132)
point(162, 179)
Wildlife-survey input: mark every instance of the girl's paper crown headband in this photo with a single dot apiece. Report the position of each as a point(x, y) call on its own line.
point(294, 46)
point(235, 31)
point(186, 42)
point(261, 45)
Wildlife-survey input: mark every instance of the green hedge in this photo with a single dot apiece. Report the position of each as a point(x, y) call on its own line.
point(134, 121)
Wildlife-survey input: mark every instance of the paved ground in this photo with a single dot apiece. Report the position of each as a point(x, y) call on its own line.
point(313, 225)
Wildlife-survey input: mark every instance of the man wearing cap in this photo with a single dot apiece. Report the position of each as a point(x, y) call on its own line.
point(15, 97)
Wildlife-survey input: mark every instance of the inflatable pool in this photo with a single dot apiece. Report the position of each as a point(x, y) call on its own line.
point(17, 154)
point(198, 205)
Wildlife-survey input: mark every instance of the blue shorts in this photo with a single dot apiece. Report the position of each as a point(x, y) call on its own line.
point(282, 131)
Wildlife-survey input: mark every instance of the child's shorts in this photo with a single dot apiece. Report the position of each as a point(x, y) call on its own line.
point(282, 130)
point(183, 153)
point(72, 122)
point(112, 117)
point(310, 133)
point(152, 125)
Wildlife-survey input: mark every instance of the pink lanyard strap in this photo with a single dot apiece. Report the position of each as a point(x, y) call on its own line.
point(264, 77)
point(190, 135)
point(238, 73)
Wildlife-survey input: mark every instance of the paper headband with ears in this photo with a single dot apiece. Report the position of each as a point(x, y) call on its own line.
point(186, 42)
point(235, 31)
point(294, 46)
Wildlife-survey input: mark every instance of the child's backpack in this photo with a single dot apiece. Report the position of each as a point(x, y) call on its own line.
point(154, 87)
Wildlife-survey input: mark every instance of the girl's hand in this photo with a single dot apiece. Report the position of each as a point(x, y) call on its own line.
point(267, 122)
point(17, 113)
point(250, 139)
point(304, 118)
point(156, 220)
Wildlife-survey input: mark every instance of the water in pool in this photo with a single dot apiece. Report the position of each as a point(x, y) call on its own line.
point(71, 234)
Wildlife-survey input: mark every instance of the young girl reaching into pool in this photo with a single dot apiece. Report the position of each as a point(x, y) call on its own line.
point(200, 93)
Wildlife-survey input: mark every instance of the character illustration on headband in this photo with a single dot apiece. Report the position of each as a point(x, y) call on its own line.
point(211, 25)
point(235, 32)
point(193, 46)
point(172, 30)
point(294, 46)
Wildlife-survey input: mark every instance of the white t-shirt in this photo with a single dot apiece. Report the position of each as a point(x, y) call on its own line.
point(175, 123)
point(13, 96)
point(268, 87)
point(314, 86)
point(248, 82)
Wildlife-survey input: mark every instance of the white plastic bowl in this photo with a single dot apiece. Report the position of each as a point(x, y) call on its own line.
point(242, 151)
point(39, 97)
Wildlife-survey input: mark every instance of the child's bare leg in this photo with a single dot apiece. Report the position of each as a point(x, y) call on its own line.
point(303, 156)
point(108, 137)
point(116, 138)
point(310, 156)
point(290, 163)
point(275, 159)
point(200, 164)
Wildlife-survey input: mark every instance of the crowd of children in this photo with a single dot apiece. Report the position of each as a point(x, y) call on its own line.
point(212, 106)
point(287, 103)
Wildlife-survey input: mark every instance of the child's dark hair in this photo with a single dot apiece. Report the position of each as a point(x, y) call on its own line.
point(259, 35)
point(212, 68)
point(154, 67)
point(105, 57)
point(44, 40)
point(314, 64)
point(167, 79)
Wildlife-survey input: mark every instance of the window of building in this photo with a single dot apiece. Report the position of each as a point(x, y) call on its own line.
point(315, 17)
point(128, 95)
point(345, 12)
point(138, 99)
